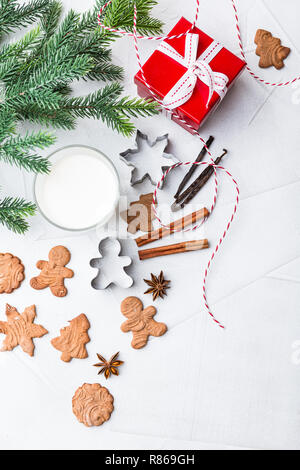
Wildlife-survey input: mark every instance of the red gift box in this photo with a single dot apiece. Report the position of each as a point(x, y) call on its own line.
point(163, 73)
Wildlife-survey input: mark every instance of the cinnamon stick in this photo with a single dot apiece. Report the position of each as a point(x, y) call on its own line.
point(174, 226)
point(173, 249)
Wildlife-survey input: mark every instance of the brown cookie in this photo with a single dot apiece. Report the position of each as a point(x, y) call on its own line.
point(140, 322)
point(11, 273)
point(53, 272)
point(270, 50)
point(92, 404)
point(20, 329)
point(140, 214)
point(72, 339)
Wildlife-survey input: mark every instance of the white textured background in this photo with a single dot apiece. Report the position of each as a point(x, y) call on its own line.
point(198, 386)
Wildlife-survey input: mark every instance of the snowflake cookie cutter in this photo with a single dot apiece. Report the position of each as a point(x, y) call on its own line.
point(110, 249)
point(154, 175)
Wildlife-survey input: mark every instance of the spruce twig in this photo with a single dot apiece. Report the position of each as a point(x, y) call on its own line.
point(13, 16)
point(16, 151)
point(13, 213)
point(107, 105)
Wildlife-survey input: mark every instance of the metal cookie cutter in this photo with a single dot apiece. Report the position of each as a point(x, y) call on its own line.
point(111, 266)
point(151, 168)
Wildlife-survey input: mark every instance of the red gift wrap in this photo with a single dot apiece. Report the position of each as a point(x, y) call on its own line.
point(163, 73)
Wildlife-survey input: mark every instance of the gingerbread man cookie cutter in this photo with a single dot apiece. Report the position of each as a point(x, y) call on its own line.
point(111, 266)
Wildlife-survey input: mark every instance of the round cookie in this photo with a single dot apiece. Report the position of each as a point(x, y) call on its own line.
point(11, 273)
point(92, 404)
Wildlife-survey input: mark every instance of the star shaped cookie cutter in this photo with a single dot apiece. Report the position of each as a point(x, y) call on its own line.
point(154, 169)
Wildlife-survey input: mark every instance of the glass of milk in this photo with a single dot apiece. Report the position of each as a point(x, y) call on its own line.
point(81, 191)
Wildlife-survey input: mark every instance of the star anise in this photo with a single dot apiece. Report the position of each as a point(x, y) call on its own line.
point(158, 286)
point(109, 367)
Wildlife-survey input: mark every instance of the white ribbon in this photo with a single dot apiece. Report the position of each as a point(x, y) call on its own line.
point(196, 69)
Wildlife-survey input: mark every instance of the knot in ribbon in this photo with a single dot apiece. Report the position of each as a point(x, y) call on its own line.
point(197, 68)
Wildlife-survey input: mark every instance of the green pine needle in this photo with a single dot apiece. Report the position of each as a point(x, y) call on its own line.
point(13, 214)
point(106, 72)
point(19, 49)
point(39, 140)
point(119, 14)
point(50, 21)
point(16, 151)
point(7, 123)
point(107, 104)
point(13, 16)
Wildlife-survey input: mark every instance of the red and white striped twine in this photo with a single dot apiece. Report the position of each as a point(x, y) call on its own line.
point(194, 132)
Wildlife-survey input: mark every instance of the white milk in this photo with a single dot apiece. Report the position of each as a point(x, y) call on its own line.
point(81, 191)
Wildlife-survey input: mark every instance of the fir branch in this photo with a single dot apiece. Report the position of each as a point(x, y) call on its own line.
point(66, 33)
point(58, 69)
point(9, 69)
point(34, 163)
point(50, 22)
point(119, 14)
point(20, 49)
point(107, 105)
point(91, 44)
point(58, 119)
point(105, 72)
point(135, 107)
point(7, 123)
point(74, 45)
point(89, 21)
point(13, 213)
point(55, 71)
point(15, 151)
point(14, 16)
point(42, 98)
point(31, 141)
point(63, 90)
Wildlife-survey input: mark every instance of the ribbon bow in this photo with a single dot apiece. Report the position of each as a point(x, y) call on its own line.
point(196, 69)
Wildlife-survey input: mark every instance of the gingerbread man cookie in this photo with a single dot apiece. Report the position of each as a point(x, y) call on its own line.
point(54, 272)
point(270, 50)
point(11, 273)
point(72, 339)
point(140, 322)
